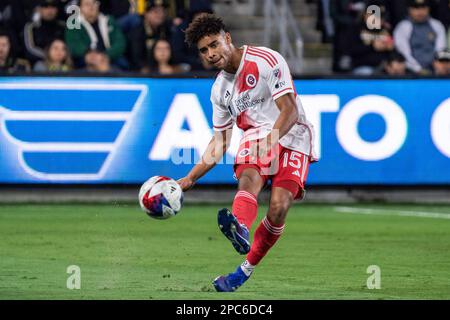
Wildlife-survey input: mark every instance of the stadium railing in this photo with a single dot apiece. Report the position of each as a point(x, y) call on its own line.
point(278, 13)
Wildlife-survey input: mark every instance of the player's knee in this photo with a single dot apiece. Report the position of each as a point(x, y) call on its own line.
point(278, 210)
point(250, 182)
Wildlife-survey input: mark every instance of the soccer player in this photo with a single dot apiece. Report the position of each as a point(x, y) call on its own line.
point(255, 91)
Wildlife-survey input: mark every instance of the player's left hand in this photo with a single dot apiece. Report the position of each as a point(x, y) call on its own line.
point(185, 183)
point(263, 147)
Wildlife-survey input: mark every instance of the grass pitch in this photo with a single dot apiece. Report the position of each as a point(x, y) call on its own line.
point(323, 254)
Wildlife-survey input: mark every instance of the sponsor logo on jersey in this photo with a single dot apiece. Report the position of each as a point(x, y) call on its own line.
point(230, 110)
point(246, 102)
point(277, 73)
point(280, 84)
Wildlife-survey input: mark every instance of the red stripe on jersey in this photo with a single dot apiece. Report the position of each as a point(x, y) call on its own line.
point(265, 53)
point(281, 91)
point(262, 51)
point(225, 125)
point(263, 57)
point(273, 61)
point(269, 53)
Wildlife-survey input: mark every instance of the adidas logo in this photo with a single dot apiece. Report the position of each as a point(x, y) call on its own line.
point(296, 173)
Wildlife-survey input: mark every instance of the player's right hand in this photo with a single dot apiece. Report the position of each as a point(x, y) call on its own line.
point(186, 183)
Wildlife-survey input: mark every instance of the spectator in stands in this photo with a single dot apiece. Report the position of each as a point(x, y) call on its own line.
point(440, 10)
point(98, 32)
point(394, 65)
point(324, 20)
point(441, 63)
point(370, 46)
point(178, 10)
point(57, 58)
point(162, 61)
point(29, 8)
point(12, 22)
point(181, 10)
point(40, 33)
point(154, 25)
point(419, 37)
point(97, 61)
point(126, 12)
point(448, 38)
point(346, 16)
point(63, 5)
point(398, 10)
point(8, 61)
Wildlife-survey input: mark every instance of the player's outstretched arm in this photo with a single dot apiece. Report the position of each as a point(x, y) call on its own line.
point(213, 154)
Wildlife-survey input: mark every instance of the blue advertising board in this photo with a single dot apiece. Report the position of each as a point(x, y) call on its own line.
point(124, 130)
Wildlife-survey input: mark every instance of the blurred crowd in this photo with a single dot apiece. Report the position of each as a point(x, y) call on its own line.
point(387, 37)
point(143, 36)
point(369, 37)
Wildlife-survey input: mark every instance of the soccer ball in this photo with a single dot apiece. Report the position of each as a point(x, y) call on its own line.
point(161, 197)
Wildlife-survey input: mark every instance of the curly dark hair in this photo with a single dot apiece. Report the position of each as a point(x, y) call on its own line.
point(204, 25)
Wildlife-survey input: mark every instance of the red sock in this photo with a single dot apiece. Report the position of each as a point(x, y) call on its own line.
point(245, 208)
point(265, 237)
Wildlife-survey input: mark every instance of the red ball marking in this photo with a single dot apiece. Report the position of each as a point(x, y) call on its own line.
point(162, 178)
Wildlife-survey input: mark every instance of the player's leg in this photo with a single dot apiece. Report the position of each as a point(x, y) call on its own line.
point(271, 227)
point(245, 204)
point(287, 185)
point(266, 235)
point(235, 225)
point(247, 170)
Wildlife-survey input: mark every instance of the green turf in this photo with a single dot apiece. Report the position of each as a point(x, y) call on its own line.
point(123, 254)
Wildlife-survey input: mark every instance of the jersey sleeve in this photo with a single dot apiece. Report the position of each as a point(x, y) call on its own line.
point(279, 78)
point(221, 117)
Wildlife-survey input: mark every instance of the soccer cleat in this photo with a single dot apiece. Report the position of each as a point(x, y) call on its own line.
point(237, 233)
point(230, 282)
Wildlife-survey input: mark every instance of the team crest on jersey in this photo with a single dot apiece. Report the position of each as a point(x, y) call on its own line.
point(244, 153)
point(250, 80)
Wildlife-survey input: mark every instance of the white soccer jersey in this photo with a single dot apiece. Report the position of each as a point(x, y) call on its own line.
point(247, 99)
